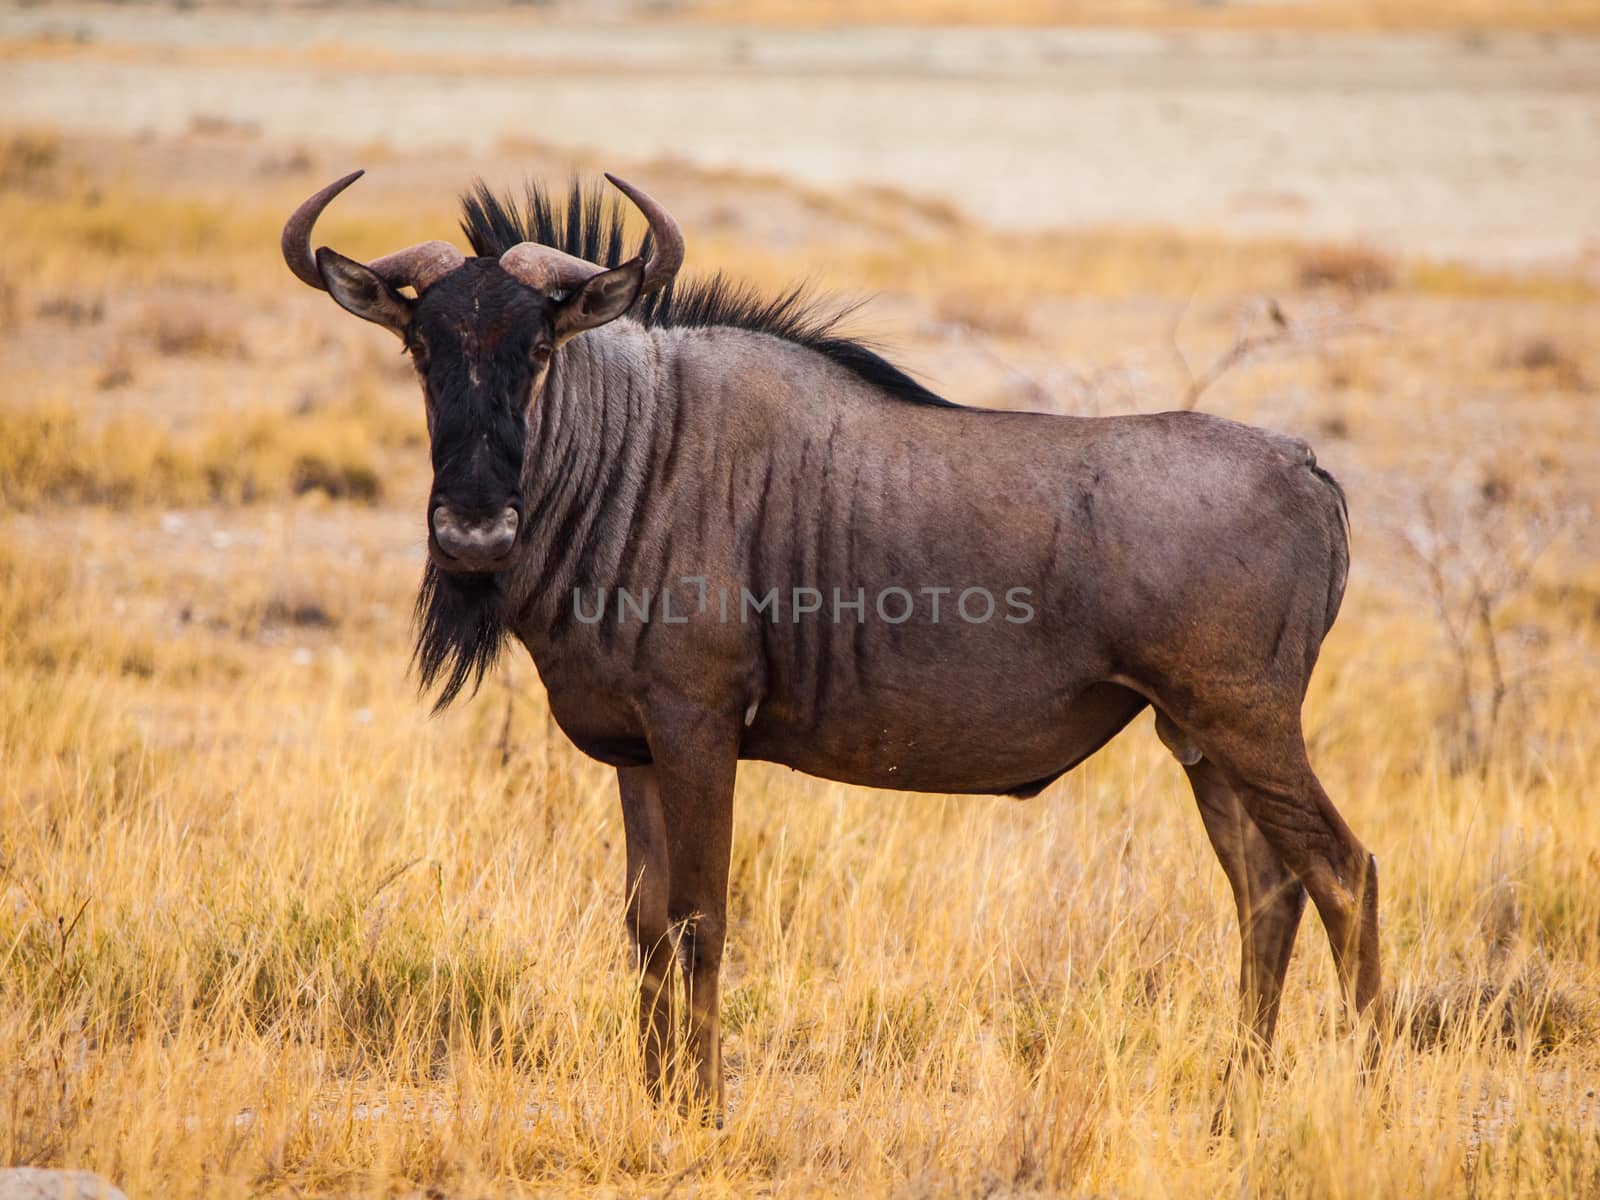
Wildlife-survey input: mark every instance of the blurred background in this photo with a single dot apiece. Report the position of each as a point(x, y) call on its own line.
point(235, 852)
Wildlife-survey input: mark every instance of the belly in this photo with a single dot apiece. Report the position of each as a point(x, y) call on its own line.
point(958, 748)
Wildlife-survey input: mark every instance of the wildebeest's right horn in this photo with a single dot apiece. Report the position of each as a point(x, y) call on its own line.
point(546, 268)
point(418, 266)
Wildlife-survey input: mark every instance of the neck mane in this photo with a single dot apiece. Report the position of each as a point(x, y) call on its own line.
point(589, 225)
point(590, 439)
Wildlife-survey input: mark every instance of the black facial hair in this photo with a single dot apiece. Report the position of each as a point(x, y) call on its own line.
point(461, 629)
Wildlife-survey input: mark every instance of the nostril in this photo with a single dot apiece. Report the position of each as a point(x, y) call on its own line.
point(508, 521)
point(490, 538)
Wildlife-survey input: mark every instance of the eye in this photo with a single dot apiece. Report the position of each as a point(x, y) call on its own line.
point(419, 355)
point(541, 354)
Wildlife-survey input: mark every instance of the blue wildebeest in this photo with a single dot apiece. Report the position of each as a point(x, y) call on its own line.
point(724, 530)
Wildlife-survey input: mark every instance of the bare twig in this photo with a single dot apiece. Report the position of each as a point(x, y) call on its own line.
point(1047, 389)
point(1477, 558)
point(1176, 347)
point(1284, 335)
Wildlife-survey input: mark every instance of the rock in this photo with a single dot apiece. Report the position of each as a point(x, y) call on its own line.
point(31, 1183)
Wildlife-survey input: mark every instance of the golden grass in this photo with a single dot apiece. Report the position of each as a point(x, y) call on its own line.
point(75, 229)
point(1348, 16)
point(89, 236)
point(266, 929)
point(288, 935)
point(51, 453)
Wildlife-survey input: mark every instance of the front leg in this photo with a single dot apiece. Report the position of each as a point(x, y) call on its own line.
point(695, 757)
point(648, 924)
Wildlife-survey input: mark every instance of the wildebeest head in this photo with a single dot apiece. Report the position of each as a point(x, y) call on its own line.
point(480, 332)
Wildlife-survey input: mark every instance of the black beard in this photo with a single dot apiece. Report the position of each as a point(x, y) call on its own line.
point(461, 629)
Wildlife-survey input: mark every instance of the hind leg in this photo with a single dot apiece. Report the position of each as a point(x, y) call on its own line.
point(1269, 897)
point(1265, 762)
point(1270, 900)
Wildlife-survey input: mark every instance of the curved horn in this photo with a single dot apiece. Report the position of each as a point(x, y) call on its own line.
point(419, 266)
point(297, 250)
point(667, 254)
point(546, 268)
point(549, 269)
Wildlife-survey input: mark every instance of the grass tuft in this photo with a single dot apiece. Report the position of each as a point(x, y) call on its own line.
point(1353, 268)
point(50, 454)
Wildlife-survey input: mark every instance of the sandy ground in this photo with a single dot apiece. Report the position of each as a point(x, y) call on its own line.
point(1487, 149)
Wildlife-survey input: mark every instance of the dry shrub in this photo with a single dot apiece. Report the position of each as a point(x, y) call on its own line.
point(297, 161)
point(1332, 426)
point(1355, 368)
point(341, 477)
point(1528, 1009)
point(1479, 536)
point(1573, 603)
point(1545, 356)
point(25, 156)
point(188, 327)
point(301, 610)
point(118, 370)
point(1354, 268)
point(217, 125)
point(10, 297)
point(72, 310)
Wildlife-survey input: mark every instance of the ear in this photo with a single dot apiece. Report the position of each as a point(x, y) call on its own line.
point(603, 297)
point(361, 290)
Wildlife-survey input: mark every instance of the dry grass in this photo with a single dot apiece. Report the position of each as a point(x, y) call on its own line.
point(295, 937)
point(265, 929)
point(1480, 16)
point(1356, 268)
point(50, 453)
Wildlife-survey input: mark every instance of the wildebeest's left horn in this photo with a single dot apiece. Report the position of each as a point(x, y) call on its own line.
point(667, 254)
point(419, 266)
point(549, 269)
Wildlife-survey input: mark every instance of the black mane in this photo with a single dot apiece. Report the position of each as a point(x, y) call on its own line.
point(589, 225)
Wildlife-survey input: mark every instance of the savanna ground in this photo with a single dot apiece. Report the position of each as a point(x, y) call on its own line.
point(266, 928)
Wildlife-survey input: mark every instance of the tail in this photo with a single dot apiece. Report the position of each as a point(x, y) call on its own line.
point(1341, 549)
